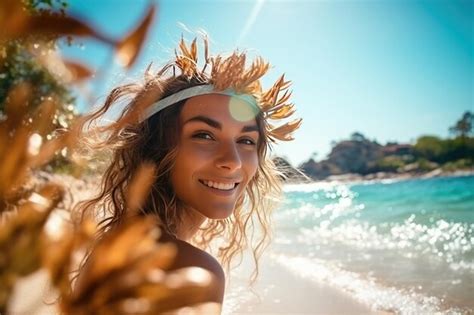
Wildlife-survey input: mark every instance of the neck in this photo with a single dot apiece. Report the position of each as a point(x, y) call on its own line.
point(190, 224)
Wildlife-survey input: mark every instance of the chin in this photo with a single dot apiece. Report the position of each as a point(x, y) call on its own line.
point(218, 213)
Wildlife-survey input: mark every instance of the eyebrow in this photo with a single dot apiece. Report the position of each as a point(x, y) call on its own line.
point(217, 125)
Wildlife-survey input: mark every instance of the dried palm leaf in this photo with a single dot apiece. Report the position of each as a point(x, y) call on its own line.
point(283, 132)
point(140, 187)
point(78, 71)
point(128, 48)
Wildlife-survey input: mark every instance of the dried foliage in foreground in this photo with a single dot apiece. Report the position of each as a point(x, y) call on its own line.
point(127, 272)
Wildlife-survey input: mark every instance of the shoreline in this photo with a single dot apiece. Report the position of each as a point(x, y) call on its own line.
point(353, 178)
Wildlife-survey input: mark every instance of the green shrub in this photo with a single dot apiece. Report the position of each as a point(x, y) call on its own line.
point(390, 163)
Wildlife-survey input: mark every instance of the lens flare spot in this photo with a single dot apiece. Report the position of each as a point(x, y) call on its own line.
point(240, 110)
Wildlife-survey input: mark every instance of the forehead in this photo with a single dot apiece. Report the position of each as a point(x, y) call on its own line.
point(219, 107)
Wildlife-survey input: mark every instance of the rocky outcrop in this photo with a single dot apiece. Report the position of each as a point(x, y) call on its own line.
point(358, 156)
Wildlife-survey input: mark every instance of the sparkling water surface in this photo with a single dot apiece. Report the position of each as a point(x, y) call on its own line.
point(405, 246)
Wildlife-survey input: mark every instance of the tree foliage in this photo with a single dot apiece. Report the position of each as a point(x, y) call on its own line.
point(444, 150)
point(463, 127)
point(20, 66)
point(357, 136)
point(430, 147)
point(23, 62)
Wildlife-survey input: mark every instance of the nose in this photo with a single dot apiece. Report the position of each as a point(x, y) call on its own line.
point(229, 157)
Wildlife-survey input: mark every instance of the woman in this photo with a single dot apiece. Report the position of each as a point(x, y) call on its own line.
point(207, 131)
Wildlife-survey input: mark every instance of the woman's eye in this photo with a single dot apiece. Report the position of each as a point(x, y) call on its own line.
point(203, 135)
point(248, 141)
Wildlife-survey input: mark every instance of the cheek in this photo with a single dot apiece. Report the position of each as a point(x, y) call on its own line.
point(190, 157)
point(189, 160)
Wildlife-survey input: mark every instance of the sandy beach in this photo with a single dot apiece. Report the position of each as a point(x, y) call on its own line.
point(278, 291)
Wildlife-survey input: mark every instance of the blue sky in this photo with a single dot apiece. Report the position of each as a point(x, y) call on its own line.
point(393, 70)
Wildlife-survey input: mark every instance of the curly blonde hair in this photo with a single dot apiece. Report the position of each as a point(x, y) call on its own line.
point(134, 142)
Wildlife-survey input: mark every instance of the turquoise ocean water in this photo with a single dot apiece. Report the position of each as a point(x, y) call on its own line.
point(405, 246)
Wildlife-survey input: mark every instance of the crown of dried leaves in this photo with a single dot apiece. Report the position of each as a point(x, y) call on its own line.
point(231, 72)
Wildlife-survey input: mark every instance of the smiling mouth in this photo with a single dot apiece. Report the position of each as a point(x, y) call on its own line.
point(219, 186)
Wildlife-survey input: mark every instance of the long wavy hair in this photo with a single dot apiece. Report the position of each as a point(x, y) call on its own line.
point(155, 140)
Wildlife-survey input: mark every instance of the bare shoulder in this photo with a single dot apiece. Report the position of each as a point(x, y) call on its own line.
point(191, 256)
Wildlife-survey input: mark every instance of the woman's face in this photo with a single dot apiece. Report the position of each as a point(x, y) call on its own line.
point(217, 154)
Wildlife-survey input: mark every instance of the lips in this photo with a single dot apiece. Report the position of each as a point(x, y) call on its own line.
point(219, 185)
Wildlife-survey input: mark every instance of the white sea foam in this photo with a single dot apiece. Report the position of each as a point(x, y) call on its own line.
point(310, 187)
point(341, 203)
point(367, 291)
point(339, 219)
point(447, 241)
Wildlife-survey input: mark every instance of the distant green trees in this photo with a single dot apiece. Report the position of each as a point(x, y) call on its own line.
point(362, 156)
point(444, 150)
point(463, 126)
point(431, 147)
point(357, 136)
point(390, 163)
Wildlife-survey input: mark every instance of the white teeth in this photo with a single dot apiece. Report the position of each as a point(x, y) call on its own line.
point(221, 186)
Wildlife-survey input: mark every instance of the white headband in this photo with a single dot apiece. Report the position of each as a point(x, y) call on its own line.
point(190, 92)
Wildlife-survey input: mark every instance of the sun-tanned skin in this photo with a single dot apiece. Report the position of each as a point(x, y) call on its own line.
point(190, 256)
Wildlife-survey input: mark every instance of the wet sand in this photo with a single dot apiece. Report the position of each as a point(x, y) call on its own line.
point(278, 291)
